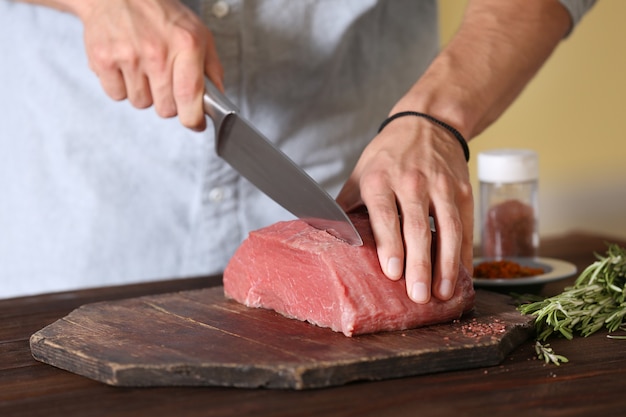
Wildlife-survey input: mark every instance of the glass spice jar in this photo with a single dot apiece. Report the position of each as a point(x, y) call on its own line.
point(509, 203)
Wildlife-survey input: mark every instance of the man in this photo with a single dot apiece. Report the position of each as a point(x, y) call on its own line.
point(99, 193)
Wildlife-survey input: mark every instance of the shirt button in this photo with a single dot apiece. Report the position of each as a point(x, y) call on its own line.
point(220, 9)
point(216, 195)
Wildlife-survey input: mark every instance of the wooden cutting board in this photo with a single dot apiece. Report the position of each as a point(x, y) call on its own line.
point(200, 338)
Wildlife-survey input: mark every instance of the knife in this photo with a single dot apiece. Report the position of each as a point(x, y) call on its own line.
point(270, 170)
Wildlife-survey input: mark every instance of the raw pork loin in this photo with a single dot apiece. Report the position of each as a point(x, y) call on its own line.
point(308, 274)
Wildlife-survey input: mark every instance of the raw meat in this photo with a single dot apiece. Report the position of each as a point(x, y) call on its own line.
point(308, 274)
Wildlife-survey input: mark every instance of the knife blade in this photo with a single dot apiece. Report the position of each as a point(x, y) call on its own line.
point(269, 169)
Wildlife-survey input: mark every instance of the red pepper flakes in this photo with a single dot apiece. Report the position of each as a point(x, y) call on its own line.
point(475, 329)
point(504, 269)
point(509, 230)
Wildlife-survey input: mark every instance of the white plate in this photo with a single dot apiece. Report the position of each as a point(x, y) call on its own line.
point(555, 270)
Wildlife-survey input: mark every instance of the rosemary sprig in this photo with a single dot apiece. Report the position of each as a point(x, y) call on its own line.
point(545, 353)
point(597, 300)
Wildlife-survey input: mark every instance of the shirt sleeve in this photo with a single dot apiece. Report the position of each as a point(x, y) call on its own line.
point(577, 9)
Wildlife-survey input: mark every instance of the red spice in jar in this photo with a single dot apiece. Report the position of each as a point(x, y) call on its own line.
point(504, 269)
point(509, 230)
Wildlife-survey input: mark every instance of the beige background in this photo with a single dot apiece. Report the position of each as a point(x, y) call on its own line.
point(574, 115)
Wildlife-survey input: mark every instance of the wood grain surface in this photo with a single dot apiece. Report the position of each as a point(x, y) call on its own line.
point(199, 338)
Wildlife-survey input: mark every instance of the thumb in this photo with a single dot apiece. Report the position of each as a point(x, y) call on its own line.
point(213, 67)
point(349, 198)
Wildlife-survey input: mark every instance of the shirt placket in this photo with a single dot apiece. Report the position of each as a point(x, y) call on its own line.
point(216, 230)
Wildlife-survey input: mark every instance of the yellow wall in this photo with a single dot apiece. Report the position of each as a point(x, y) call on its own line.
point(574, 115)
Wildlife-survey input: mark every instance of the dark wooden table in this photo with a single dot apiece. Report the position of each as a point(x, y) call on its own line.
point(593, 383)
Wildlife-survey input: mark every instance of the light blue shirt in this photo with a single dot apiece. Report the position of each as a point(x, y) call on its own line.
point(94, 192)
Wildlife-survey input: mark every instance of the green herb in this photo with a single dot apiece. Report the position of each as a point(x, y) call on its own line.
point(545, 352)
point(597, 300)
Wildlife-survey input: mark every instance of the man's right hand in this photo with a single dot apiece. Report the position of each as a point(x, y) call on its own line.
point(151, 52)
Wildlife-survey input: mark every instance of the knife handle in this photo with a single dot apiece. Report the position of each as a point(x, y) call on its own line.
point(216, 105)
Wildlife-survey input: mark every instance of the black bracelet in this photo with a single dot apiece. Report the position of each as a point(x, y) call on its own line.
point(446, 126)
